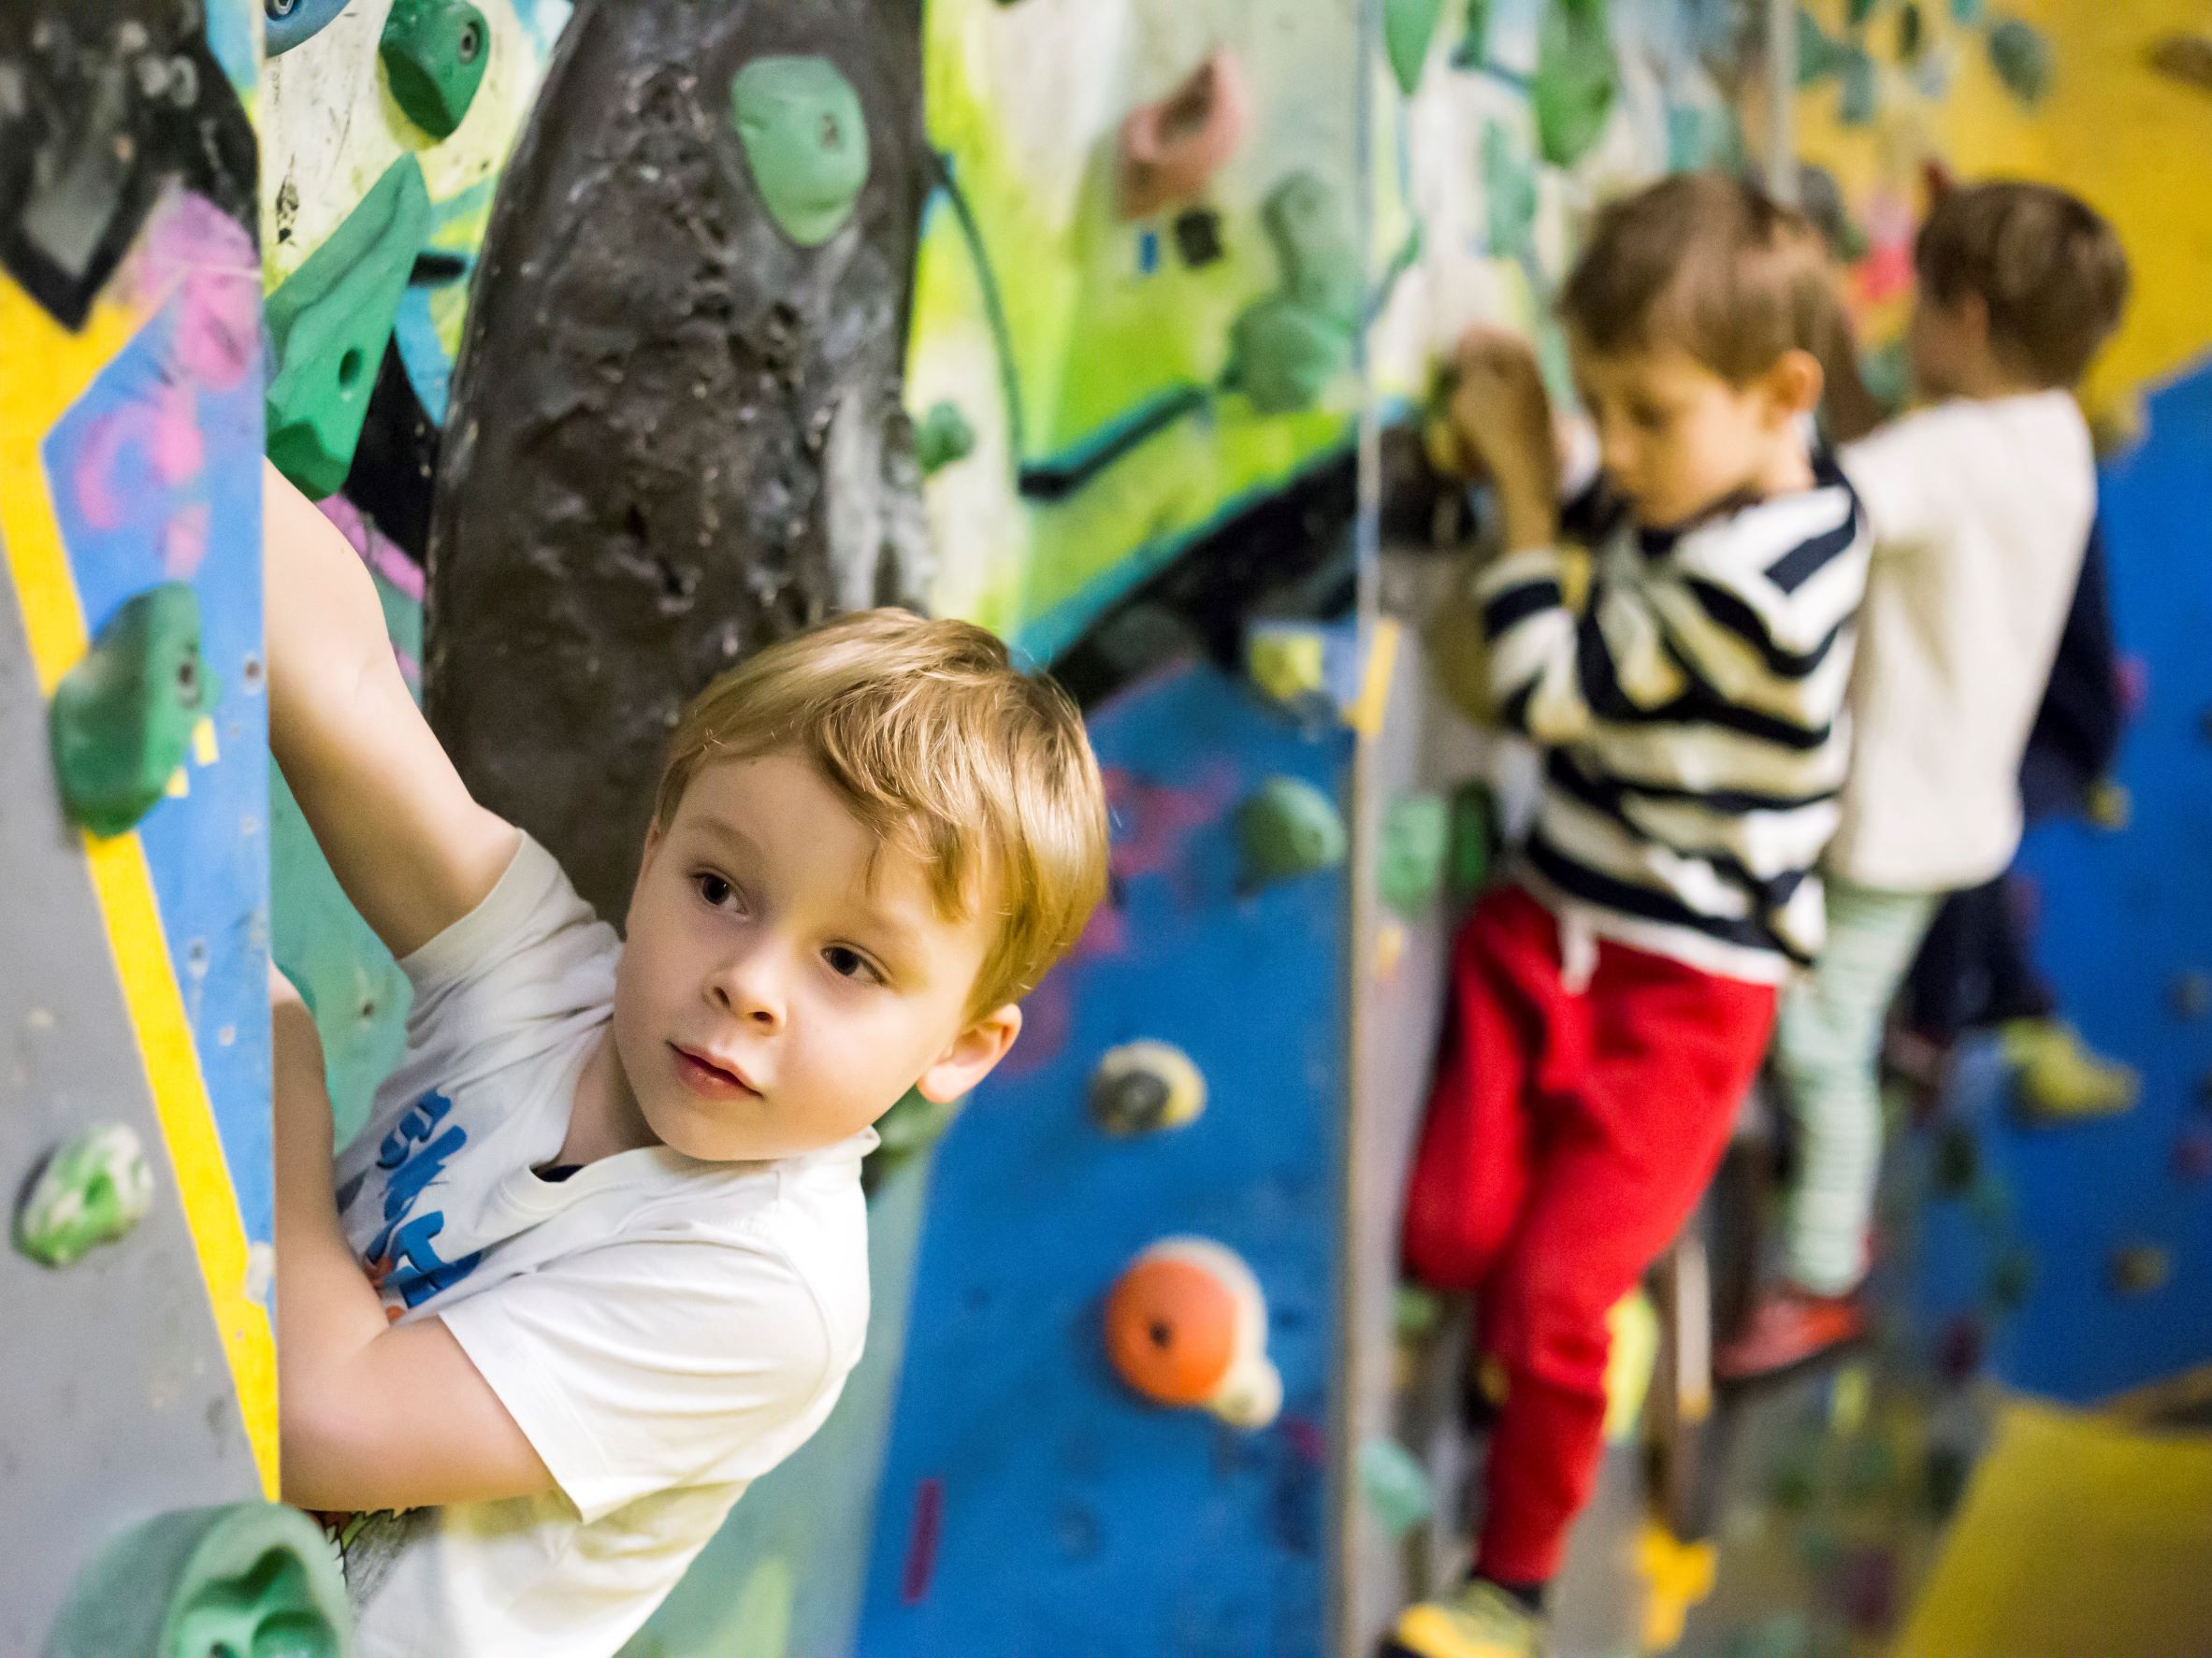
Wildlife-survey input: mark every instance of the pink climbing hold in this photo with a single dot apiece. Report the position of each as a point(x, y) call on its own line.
point(2131, 677)
point(1172, 149)
point(2192, 1156)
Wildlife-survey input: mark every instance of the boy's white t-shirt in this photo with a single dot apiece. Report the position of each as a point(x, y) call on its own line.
point(1980, 510)
point(664, 1331)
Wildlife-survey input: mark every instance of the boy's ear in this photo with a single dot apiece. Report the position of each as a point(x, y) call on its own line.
point(1794, 384)
point(971, 1055)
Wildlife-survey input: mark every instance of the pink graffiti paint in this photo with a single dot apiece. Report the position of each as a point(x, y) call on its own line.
point(209, 261)
point(377, 550)
point(1153, 820)
point(184, 542)
point(922, 1541)
point(158, 433)
point(1886, 270)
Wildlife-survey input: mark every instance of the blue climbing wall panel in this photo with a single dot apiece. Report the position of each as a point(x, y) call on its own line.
point(1030, 1504)
point(2123, 917)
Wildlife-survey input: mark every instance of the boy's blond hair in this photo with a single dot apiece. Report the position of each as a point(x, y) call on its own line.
point(1709, 264)
point(2046, 264)
point(940, 747)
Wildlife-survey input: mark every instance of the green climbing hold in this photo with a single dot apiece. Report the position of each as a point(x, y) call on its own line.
point(1416, 837)
point(1967, 14)
point(1473, 50)
point(93, 1189)
point(1474, 834)
point(805, 139)
point(1415, 1311)
point(1509, 196)
point(2137, 1269)
point(1306, 220)
point(434, 52)
point(123, 718)
point(941, 437)
point(1408, 27)
point(1289, 827)
point(1958, 1160)
point(329, 323)
point(1857, 12)
point(2022, 59)
point(1394, 1487)
point(1577, 80)
point(1284, 353)
point(255, 1580)
point(915, 1122)
point(1861, 90)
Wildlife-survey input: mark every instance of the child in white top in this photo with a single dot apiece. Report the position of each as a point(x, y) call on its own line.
point(600, 1259)
point(1980, 504)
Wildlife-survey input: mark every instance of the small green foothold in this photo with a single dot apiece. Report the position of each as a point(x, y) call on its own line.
point(1948, 1468)
point(1307, 220)
point(1416, 836)
point(1967, 14)
point(1958, 1160)
point(1509, 190)
point(1284, 354)
point(123, 718)
point(1394, 1486)
point(329, 323)
point(93, 1189)
point(1474, 832)
point(1912, 32)
point(2022, 59)
point(1289, 827)
point(1857, 12)
point(434, 52)
point(253, 1579)
point(1415, 1311)
point(805, 139)
point(1408, 27)
point(941, 437)
point(1577, 79)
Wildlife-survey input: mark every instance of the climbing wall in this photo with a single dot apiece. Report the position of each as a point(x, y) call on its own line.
point(138, 1371)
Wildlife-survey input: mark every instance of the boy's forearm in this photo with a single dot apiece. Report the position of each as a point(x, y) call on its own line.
point(328, 1311)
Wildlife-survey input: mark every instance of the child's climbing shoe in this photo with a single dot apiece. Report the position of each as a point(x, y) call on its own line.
point(1478, 1621)
point(2059, 1078)
point(1789, 1326)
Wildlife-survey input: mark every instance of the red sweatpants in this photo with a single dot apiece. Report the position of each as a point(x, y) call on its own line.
point(1569, 1138)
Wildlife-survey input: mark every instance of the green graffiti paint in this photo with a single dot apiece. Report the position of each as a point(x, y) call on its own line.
point(1310, 226)
point(1577, 80)
point(1415, 843)
point(1288, 829)
point(1473, 50)
point(329, 323)
point(123, 717)
point(805, 141)
point(93, 1189)
point(1861, 90)
point(941, 437)
point(253, 1578)
point(1408, 27)
point(1509, 196)
point(1284, 354)
point(434, 53)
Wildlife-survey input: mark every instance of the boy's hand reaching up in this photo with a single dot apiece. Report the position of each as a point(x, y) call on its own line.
point(1502, 422)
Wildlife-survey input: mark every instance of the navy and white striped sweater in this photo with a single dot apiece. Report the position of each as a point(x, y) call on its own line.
point(1694, 713)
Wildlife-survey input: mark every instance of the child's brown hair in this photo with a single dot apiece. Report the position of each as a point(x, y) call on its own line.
point(1712, 266)
point(2046, 264)
point(941, 746)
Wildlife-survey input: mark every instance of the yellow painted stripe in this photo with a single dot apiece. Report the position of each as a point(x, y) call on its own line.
point(49, 370)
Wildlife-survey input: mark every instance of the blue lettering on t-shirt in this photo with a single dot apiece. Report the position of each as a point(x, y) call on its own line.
point(402, 1250)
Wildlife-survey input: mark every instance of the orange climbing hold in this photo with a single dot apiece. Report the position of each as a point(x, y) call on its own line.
point(1186, 1325)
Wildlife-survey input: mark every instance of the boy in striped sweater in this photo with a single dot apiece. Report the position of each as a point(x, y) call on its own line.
point(1612, 1001)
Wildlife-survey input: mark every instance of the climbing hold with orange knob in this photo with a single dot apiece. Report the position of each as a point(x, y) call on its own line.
point(1141, 1087)
point(1186, 1325)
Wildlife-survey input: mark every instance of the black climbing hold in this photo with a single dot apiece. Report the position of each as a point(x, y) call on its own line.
point(1198, 236)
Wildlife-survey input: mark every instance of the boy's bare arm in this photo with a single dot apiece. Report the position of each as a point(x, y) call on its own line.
point(370, 1415)
point(413, 852)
